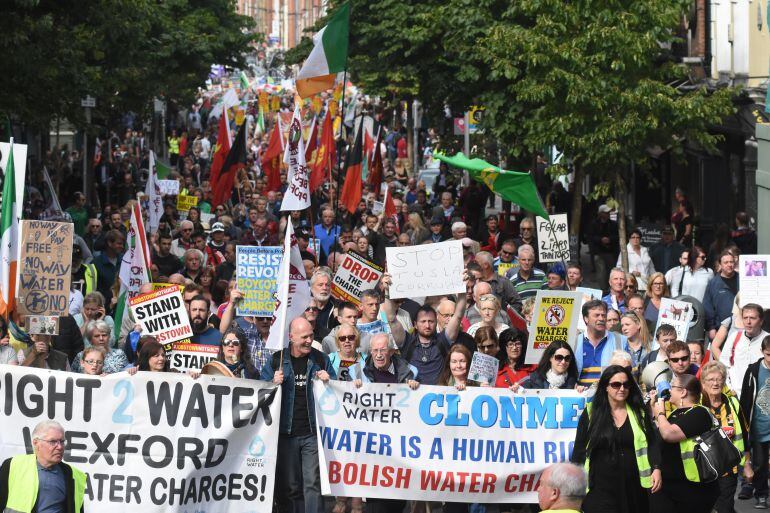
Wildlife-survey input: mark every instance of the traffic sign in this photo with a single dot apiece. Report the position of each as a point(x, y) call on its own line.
point(88, 101)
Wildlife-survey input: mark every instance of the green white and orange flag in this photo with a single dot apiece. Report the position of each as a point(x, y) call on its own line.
point(328, 56)
point(9, 228)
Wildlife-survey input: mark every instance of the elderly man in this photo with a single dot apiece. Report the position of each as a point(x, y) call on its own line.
point(298, 478)
point(384, 366)
point(193, 264)
point(616, 298)
point(321, 290)
point(41, 482)
point(501, 287)
point(184, 241)
point(527, 279)
point(562, 488)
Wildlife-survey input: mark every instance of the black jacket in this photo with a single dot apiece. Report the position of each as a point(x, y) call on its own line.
point(5, 470)
point(749, 391)
point(537, 381)
point(400, 366)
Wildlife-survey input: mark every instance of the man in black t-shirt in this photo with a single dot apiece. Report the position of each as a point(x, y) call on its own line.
point(299, 477)
point(166, 263)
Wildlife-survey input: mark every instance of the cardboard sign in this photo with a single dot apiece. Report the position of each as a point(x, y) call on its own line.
point(169, 187)
point(553, 238)
point(42, 325)
point(186, 356)
point(45, 268)
point(426, 270)
point(256, 272)
point(554, 318)
point(353, 277)
point(162, 314)
point(184, 202)
point(677, 314)
point(484, 368)
point(754, 280)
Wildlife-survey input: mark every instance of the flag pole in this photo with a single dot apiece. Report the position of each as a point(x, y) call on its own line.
point(336, 202)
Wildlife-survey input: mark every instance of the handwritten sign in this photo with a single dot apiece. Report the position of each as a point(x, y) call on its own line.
point(169, 187)
point(553, 238)
point(45, 268)
point(484, 368)
point(554, 318)
point(651, 233)
point(677, 314)
point(256, 272)
point(426, 270)
point(297, 195)
point(162, 314)
point(184, 202)
point(353, 277)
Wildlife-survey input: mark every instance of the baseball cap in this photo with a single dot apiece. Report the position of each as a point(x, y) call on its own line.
point(604, 209)
point(218, 227)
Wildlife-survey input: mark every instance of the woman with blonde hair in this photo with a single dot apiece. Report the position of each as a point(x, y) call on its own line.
point(657, 289)
point(417, 230)
point(638, 344)
point(488, 306)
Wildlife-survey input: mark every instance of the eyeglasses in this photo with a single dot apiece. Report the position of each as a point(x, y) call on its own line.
point(525, 229)
point(379, 351)
point(346, 338)
point(230, 343)
point(615, 385)
point(630, 287)
point(714, 381)
point(95, 363)
point(312, 309)
point(680, 359)
point(658, 284)
point(54, 443)
point(514, 343)
point(562, 357)
point(702, 257)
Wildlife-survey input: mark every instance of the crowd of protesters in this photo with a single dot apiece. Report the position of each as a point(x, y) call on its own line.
point(426, 340)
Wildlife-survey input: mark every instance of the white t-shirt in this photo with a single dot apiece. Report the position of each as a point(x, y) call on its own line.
point(738, 351)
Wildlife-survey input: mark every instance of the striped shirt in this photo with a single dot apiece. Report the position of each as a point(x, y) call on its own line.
point(527, 287)
point(592, 362)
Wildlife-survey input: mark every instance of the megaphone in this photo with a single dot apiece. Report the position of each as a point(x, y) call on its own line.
point(657, 376)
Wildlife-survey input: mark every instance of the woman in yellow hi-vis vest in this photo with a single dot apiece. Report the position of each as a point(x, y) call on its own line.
point(682, 490)
point(726, 409)
point(616, 443)
point(41, 481)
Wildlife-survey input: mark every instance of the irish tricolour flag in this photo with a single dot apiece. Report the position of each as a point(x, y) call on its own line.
point(9, 233)
point(328, 57)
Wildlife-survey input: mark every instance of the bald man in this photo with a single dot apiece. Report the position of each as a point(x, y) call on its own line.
point(297, 443)
point(562, 488)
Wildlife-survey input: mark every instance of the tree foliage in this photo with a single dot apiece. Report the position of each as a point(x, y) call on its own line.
point(122, 52)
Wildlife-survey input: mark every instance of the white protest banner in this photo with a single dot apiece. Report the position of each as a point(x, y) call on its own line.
point(256, 271)
point(481, 445)
point(554, 318)
point(553, 238)
point(155, 442)
point(187, 356)
point(484, 368)
point(45, 268)
point(169, 187)
point(426, 270)
point(297, 195)
point(753, 279)
point(677, 314)
point(353, 277)
point(162, 314)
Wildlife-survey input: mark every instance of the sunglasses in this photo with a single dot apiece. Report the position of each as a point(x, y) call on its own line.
point(616, 385)
point(230, 343)
point(347, 338)
point(680, 359)
point(562, 357)
point(312, 309)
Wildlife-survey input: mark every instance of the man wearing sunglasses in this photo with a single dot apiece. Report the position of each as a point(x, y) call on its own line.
point(41, 481)
point(679, 359)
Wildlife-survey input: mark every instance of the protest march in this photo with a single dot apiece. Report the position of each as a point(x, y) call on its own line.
point(311, 285)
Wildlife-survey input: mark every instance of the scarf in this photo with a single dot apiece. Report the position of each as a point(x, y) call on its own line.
point(555, 380)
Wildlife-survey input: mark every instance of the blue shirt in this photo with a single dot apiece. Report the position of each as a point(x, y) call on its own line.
point(210, 337)
point(326, 236)
point(257, 351)
point(52, 490)
point(592, 361)
point(760, 421)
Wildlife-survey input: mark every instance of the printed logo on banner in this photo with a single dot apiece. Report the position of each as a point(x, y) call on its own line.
point(257, 277)
point(164, 441)
point(481, 445)
point(353, 277)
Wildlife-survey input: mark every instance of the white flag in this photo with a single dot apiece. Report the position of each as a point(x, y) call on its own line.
point(155, 202)
point(293, 295)
point(297, 196)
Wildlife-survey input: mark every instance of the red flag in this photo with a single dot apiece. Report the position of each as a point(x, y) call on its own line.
point(236, 159)
point(271, 159)
point(351, 191)
point(376, 169)
point(368, 146)
point(325, 156)
point(312, 141)
point(222, 148)
point(390, 207)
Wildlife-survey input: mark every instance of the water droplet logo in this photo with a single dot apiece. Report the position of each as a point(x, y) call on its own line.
point(328, 402)
point(257, 447)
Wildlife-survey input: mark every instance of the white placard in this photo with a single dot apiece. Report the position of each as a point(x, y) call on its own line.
point(426, 270)
point(677, 314)
point(553, 238)
point(589, 294)
point(187, 356)
point(162, 314)
point(481, 445)
point(169, 187)
point(378, 207)
point(156, 440)
point(754, 280)
point(484, 368)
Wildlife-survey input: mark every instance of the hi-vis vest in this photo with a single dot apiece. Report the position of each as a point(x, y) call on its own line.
point(90, 279)
point(22, 485)
point(640, 448)
point(687, 447)
point(732, 409)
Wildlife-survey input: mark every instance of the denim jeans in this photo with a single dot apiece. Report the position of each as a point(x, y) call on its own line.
point(298, 486)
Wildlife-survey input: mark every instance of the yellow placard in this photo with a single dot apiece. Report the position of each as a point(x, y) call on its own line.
point(184, 202)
